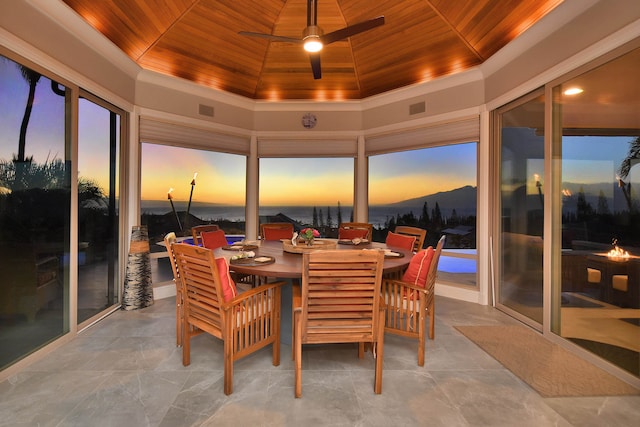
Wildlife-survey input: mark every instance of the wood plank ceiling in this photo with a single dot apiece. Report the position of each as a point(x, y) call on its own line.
point(198, 40)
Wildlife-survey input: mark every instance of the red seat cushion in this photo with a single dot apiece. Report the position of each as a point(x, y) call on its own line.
point(229, 290)
point(353, 233)
point(277, 233)
point(419, 268)
point(213, 239)
point(400, 241)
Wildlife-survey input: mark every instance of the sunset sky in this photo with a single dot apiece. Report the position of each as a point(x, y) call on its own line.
point(394, 177)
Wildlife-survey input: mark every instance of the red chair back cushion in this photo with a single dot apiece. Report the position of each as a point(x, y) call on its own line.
point(419, 268)
point(229, 290)
point(353, 233)
point(213, 239)
point(277, 233)
point(400, 241)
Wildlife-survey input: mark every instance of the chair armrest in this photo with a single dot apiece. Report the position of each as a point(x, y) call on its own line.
point(407, 285)
point(262, 289)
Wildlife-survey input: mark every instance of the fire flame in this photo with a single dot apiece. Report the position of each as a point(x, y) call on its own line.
point(618, 253)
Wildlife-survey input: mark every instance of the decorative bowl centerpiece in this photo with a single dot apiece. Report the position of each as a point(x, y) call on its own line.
point(300, 248)
point(307, 241)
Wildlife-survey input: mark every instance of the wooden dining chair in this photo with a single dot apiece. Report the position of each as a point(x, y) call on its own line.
point(410, 300)
point(169, 240)
point(213, 239)
point(218, 239)
point(339, 302)
point(419, 233)
point(353, 230)
point(199, 229)
point(245, 322)
point(276, 230)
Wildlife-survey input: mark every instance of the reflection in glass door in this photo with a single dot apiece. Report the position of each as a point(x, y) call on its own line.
point(519, 279)
point(34, 211)
point(99, 127)
point(598, 211)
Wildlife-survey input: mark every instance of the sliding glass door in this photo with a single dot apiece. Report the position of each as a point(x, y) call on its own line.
point(519, 281)
point(99, 136)
point(34, 210)
point(596, 157)
point(592, 224)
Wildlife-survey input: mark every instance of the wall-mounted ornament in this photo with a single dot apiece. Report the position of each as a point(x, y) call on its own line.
point(309, 120)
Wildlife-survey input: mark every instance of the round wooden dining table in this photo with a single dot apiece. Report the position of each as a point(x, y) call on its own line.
point(288, 265)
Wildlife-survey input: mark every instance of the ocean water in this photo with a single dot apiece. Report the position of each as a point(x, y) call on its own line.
point(378, 215)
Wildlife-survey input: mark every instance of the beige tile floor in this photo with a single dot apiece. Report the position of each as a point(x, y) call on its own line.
point(126, 371)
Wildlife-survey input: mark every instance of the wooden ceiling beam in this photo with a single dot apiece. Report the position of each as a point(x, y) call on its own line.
point(453, 28)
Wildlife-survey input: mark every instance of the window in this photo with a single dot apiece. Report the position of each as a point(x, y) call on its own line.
point(204, 187)
point(314, 192)
point(432, 188)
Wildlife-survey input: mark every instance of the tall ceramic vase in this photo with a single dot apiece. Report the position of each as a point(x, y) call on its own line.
point(138, 290)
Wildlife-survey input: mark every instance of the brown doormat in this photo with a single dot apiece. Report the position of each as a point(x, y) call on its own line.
point(550, 369)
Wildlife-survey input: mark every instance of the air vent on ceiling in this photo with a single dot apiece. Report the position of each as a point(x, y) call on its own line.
point(417, 108)
point(205, 110)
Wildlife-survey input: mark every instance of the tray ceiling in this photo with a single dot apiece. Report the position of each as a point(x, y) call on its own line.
point(421, 40)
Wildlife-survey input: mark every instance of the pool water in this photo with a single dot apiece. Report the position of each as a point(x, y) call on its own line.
point(230, 239)
point(456, 265)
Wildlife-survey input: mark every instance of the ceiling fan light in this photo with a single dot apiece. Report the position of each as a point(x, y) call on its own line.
point(312, 44)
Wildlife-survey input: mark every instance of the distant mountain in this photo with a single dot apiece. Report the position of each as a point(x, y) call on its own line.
point(463, 200)
point(616, 201)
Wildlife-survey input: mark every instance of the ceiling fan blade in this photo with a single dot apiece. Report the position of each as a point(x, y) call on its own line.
point(315, 65)
point(270, 37)
point(352, 30)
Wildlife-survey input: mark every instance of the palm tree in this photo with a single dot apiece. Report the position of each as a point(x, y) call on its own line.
point(21, 162)
point(32, 78)
point(634, 153)
point(625, 168)
point(48, 175)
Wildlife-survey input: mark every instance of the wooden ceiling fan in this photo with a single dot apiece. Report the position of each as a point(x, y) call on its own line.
point(313, 38)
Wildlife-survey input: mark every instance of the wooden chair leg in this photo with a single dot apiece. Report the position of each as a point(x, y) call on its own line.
point(293, 334)
point(178, 321)
point(421, 345)
point(228, 367)
point(294, 283)
point(432, 322)
point(276, 343)
point(377, 387)
point(298, 357)
point(186, 344)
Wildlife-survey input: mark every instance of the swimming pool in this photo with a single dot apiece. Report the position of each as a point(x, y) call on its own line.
point(450, 264)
